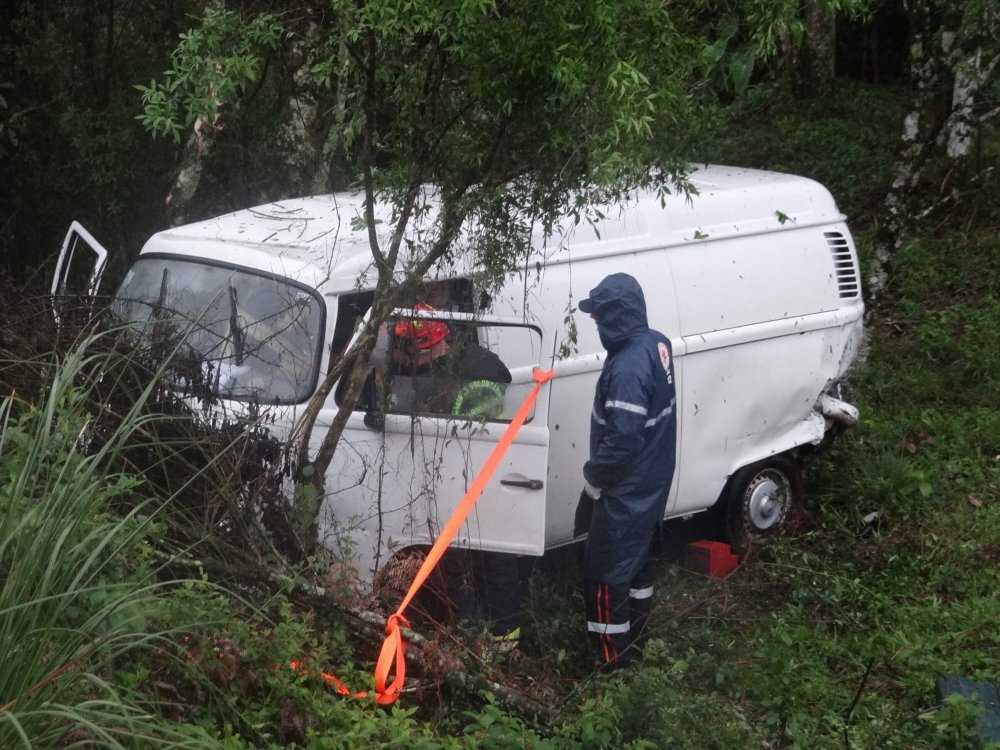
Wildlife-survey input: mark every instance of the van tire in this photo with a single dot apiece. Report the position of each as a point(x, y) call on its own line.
point(759, 499)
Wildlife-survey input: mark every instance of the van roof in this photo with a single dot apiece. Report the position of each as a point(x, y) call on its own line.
point(321, 240)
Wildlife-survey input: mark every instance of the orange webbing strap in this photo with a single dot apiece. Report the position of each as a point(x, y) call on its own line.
point(332, 681)
point(394, 647)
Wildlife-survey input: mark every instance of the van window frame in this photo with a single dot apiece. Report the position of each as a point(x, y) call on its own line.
point(472, 319)
point(343, 300)
point(463, 285)
point(312, 291)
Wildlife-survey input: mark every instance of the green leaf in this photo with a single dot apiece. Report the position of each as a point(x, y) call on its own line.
point(727, 29)
point(305, 493)
point(714, 52)
point(741, 68)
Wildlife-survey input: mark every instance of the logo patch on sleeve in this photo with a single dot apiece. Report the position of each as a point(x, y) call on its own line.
point(664, 355)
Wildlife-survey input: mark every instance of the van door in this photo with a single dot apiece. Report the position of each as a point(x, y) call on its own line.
point(577, 374)
point(81, 264)
point(425, 427)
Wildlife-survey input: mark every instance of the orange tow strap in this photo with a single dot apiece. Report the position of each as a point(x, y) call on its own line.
point(296, 666)
point(394, 647)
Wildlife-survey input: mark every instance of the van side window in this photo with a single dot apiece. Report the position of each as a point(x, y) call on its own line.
point(449, 295)
point(458, 370)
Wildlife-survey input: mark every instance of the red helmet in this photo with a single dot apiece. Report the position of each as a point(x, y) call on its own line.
point(423, 333)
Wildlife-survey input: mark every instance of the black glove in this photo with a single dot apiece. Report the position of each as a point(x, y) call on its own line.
point(584, 512)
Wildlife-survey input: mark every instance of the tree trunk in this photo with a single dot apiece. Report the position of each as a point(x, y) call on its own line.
point(334, 172)
point(198, 145)
point(109, 50)
point(970, 75)
point(309, 505)
point(946, 49)
point(869, 54)
point(925, 68)
point(302, 137)
point(809, 61)
point(791, 54)
point(819, 55)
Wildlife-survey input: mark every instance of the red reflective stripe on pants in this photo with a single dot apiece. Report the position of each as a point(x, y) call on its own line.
point(607, 619)
point(605, 638)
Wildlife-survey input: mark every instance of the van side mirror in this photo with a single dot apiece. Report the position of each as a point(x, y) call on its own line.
point(375, 420)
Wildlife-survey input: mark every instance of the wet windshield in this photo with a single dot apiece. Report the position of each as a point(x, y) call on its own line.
point(255, 336)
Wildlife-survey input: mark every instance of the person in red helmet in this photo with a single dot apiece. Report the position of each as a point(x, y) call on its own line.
point(467, 379)
point(426, 335)
point(450, 373)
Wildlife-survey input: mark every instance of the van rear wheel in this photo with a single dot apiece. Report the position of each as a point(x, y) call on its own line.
point(759, 499)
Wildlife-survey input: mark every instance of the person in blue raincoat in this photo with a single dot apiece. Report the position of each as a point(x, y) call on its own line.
point(633, 439)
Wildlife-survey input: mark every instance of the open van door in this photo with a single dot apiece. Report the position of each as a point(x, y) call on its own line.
point(81, 264)
point(426, 443)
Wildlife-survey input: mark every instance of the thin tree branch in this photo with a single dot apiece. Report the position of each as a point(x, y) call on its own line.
point(989, 115)
point(370, 196)
point(404, 219)
point(854, 703)
point(953, 196)
point(302, 434)
point(368, 153)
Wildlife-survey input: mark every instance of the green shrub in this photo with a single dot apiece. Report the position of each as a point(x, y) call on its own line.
point(79, 580)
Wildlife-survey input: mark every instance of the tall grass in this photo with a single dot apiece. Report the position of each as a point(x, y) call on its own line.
point(78, 577)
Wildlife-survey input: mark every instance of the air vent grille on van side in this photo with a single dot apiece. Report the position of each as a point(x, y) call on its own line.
point(843, 264)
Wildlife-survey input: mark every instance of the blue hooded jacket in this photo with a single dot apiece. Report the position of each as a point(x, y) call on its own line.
point(633, 431)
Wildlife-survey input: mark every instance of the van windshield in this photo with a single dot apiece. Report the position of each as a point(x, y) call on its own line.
point(253, 336)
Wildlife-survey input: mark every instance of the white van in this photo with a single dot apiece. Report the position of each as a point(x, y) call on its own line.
point(755, 281)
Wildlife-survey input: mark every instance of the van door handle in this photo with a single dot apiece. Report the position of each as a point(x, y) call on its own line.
point(528, 484)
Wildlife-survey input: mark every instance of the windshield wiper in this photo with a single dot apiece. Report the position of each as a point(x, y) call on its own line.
point(235, 331)
point(158, 315)
point(162, 299)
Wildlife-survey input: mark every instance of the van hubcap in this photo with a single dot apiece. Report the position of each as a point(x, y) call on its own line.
point(765, 499)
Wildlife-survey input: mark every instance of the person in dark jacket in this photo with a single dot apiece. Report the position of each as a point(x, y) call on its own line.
point(633, 440)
